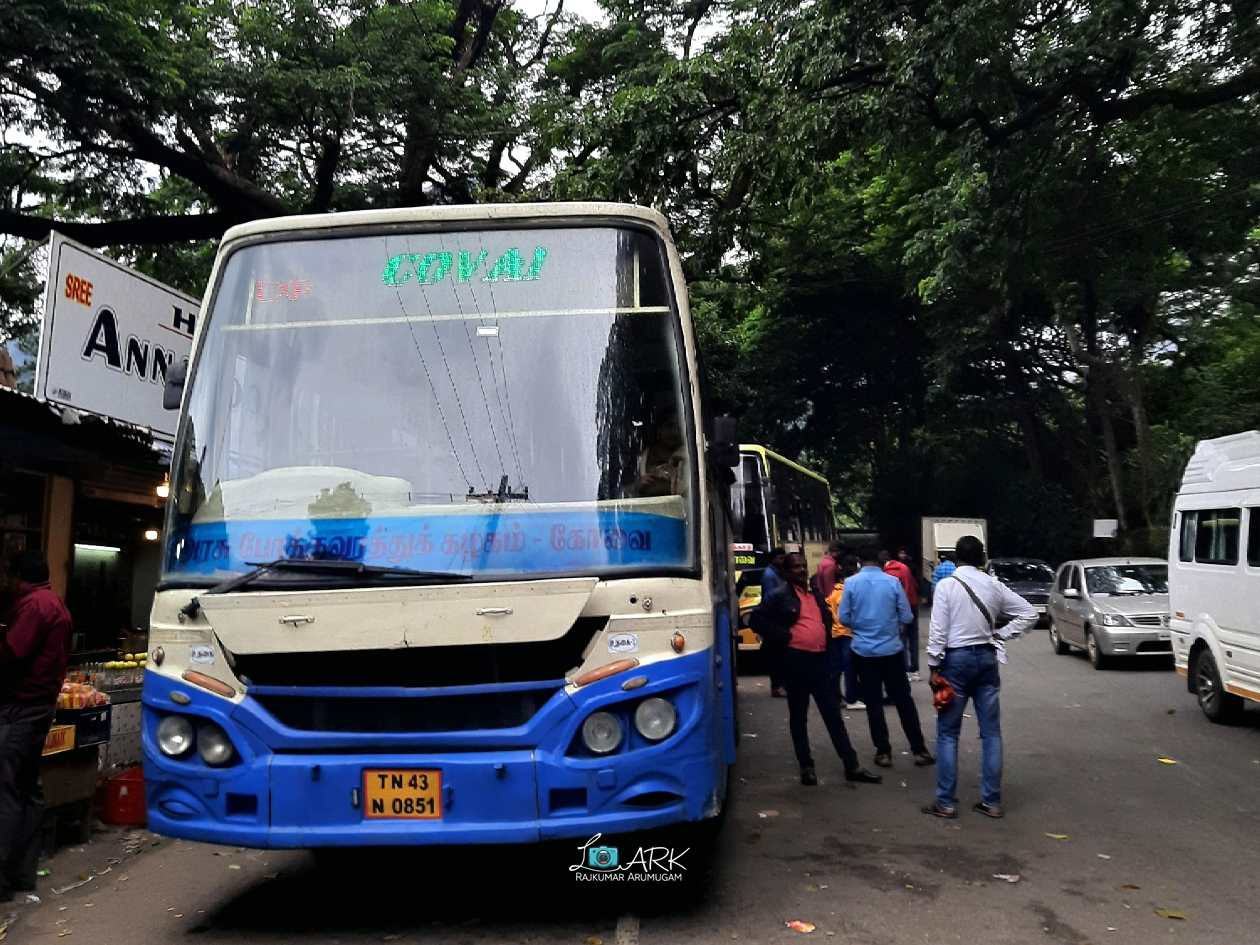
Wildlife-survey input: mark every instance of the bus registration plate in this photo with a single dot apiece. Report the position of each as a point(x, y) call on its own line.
point(402, 793)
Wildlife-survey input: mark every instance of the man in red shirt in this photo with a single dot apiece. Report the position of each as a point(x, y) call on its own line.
point(805, 671)
point(828, 570)
point(899, 569)
point(33, 655)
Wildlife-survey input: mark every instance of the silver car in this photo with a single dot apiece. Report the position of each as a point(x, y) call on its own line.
point(1111, 607)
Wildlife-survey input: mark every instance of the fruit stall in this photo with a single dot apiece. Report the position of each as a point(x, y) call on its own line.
point(95, 735)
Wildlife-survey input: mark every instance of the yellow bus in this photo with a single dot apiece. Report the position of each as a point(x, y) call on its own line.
point(774, 502)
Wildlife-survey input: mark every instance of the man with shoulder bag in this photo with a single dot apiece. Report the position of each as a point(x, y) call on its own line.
point(972, 614)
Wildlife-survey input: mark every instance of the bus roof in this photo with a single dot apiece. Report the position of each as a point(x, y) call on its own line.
point(768, 453)
point(465, 213)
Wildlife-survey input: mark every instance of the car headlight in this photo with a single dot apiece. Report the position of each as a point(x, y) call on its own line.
point(601, 733)
point(175, 736)
point(214, 746)
point(1114, 620)
point(655, 718)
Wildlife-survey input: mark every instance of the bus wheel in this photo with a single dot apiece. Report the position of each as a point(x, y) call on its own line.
point(1218, 705)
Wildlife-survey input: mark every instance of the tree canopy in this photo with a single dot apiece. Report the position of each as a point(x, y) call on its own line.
point(991, 257)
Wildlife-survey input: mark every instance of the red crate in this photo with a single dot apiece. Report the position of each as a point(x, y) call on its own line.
point(122, 800)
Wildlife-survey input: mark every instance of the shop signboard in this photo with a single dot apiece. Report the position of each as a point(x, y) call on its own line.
point(109, 336)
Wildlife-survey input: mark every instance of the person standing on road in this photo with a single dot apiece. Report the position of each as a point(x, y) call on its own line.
point(829, 569)
point(771, 583)
point(841, 654)
point(800, 610)
point(971, 614)
point(875, 607)
point(944, 568)
point(909, 631)
point(33, 655)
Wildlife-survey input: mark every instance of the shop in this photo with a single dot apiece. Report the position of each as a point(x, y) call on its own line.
point(87, 492)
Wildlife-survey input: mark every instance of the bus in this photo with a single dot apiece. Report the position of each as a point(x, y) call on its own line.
point(446, 557)
point(775, 502)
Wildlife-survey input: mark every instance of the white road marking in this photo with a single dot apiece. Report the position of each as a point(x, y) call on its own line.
point(627, 930)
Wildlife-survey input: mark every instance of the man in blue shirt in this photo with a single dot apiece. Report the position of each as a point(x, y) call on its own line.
point(874, 606)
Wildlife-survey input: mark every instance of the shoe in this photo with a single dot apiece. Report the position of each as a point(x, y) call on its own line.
point(808, 777)
point(862, 776)
point(940, 810)
point(990, 810)
point(858, 706)
point(884, 760)
point(923, 758)
point(915, 677)
point(779, 692)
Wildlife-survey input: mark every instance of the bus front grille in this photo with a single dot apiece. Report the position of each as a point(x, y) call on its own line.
point(428, 712)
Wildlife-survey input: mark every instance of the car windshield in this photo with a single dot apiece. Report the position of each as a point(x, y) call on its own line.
point(494, 402)
point(1033, 572)
point(1120, 580)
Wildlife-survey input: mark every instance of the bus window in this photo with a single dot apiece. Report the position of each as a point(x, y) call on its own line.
point(749, 499)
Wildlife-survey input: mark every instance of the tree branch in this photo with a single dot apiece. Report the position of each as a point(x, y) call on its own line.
point(139, 230)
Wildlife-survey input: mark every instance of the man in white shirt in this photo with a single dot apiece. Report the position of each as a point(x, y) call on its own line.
point(972, 613)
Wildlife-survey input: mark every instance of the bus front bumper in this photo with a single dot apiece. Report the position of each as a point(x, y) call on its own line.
point(515, 786)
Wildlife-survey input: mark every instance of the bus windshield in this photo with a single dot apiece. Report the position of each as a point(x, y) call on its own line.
point(497, 402)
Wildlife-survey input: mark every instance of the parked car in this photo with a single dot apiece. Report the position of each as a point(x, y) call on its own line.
point(1111, 607)
point(1030, 578)
point(1214, 575)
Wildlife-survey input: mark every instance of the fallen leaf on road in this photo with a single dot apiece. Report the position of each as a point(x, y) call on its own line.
point(796, 925)
point(750, 734)
point(1171, 914)
point(1112, 928)
point(1007, 877)
point(1166, 761)
point(903, 784)
point(1130, 886)
point(234, 866)
point(763, 814)
point(1058, 836)
point(1104, 856)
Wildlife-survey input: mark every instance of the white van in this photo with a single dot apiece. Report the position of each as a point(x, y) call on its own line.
point(1214, 575)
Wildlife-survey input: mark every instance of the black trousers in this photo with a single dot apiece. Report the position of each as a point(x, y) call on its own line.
point(806, 676)
point(23, 729)
point(875, 673)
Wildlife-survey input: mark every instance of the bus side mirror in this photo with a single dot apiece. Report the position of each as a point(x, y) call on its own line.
point(724, 446)
point(176, 374)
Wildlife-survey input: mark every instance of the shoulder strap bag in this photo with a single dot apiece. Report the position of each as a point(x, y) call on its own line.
point(988, 618)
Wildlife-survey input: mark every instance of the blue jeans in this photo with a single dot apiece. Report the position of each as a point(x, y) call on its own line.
point(973, 672)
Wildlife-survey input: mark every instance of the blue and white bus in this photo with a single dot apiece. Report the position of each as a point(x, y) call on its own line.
point(445, 557)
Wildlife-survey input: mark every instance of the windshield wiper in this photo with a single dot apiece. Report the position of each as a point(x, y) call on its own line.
point(318, 566)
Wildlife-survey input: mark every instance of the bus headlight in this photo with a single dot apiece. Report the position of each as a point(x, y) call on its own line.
point(175, 736)
point(655, 718)
point(214, 746)
point(601, 733)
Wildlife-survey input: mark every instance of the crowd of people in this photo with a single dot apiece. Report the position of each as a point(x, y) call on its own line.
point(850, 634)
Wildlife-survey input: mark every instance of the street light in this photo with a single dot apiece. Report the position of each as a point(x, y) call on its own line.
point(163, 489)
point(150, 534)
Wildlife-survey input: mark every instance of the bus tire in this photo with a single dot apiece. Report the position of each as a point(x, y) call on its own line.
point(1221, 707)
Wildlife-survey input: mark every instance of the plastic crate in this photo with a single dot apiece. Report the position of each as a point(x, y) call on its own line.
point(122, 799)
point(91, 726)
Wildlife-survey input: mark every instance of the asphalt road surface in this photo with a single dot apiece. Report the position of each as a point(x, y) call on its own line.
point(1133, 836)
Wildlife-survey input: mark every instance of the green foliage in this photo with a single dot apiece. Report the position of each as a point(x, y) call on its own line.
point(988, 257)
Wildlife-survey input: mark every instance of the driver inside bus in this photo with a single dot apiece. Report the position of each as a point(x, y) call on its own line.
point(663, 465)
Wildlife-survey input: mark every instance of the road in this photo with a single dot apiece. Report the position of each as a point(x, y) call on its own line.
point(862, 864)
